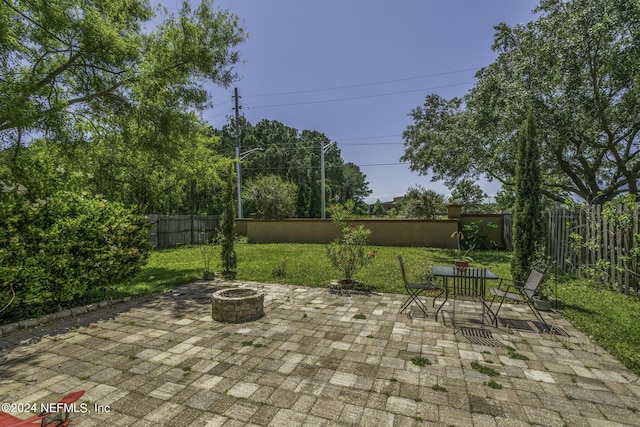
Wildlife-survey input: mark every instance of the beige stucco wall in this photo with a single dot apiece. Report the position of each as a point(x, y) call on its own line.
point(396, 232)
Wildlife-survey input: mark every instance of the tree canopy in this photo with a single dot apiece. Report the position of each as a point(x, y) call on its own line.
point(421, 203)
point(92, 98)
point(577, 65)
point(294, 156)
point(271, 197)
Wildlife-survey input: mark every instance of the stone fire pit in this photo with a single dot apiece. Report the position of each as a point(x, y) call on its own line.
point(237, 305)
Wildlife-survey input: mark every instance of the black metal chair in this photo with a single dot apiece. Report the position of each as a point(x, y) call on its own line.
point(469, 284)
point(415, 290)
point(521, 292)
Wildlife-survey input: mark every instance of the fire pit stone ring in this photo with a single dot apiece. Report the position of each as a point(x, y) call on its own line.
point(237, 305)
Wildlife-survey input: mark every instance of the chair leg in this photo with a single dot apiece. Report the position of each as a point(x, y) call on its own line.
point(414, 297)
point(538, 316)
point(453, 314)
point(420, 304)
point(495, 314)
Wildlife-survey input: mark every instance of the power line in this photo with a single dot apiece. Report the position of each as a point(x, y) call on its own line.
point(364, 84)
point(318, 167)
point(359, 97)
point(370, 143)
point(367, 137)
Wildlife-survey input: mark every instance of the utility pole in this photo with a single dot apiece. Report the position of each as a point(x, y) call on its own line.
point(237, 132)
point(323, 149)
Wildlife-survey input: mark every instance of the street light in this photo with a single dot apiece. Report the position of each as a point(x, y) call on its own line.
point(241, 156)
point(323, 149)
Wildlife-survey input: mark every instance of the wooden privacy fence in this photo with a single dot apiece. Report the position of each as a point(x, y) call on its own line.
point(173, 230)
point(605, 249)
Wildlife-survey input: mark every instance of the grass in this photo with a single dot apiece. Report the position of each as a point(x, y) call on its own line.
point(609, 318)
point(307, 265)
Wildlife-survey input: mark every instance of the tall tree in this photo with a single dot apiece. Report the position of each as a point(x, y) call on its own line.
point(354, 185)
point(528, 228)
point(69, 69)
point(469, 194)
point(271, 197)
point(295, 156)
point(228, 256)
point(577, 64)
point(421, 203)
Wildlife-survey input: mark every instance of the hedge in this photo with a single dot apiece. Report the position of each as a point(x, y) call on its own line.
point(55, 252)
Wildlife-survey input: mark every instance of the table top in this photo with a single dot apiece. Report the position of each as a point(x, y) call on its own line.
point(446, 271)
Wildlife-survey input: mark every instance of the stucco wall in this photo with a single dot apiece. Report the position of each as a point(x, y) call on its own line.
point(395, 232)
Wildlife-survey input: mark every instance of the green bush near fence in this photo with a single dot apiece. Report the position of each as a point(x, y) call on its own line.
point(59, 252)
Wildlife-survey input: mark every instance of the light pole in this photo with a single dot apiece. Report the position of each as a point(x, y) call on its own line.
point(323, 149)
point(239, 157)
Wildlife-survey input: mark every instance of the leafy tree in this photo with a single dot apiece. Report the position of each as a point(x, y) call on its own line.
point(295, 156)
point(421, 203)
point(82, 72)
point(528, 228)
point(469, 194)
point(505, 199)
point(184, 179)
point(354, 187)
point(271, 197)
point(348, 253)
point(378, 209)
point(577, 65)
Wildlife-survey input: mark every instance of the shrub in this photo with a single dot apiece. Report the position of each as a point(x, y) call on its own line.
point(57, 251)
point(228, 255)
point(348, 253)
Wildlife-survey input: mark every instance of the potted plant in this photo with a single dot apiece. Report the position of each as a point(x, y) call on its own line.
point(207, 250)
point(541, 299)
point(348, 252)
point(462, 258)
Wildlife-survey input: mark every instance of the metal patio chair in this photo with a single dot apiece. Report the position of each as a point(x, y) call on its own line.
point(59, 418)
point(521, 292)
point(415, 290)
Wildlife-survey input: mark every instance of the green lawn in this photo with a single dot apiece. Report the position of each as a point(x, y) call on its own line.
point(306, 265)
point(611, 319)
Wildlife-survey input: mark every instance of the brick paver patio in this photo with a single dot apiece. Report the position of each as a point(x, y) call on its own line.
point(162, 360)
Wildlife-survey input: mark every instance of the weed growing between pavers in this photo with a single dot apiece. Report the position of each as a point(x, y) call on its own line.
point(484, 369)
point(438, 387)
point(493, 384)
point(420, 361)
point(515, 355)
point(359, 316)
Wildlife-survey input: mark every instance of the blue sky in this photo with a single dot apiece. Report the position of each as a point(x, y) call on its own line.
point(358, 68)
